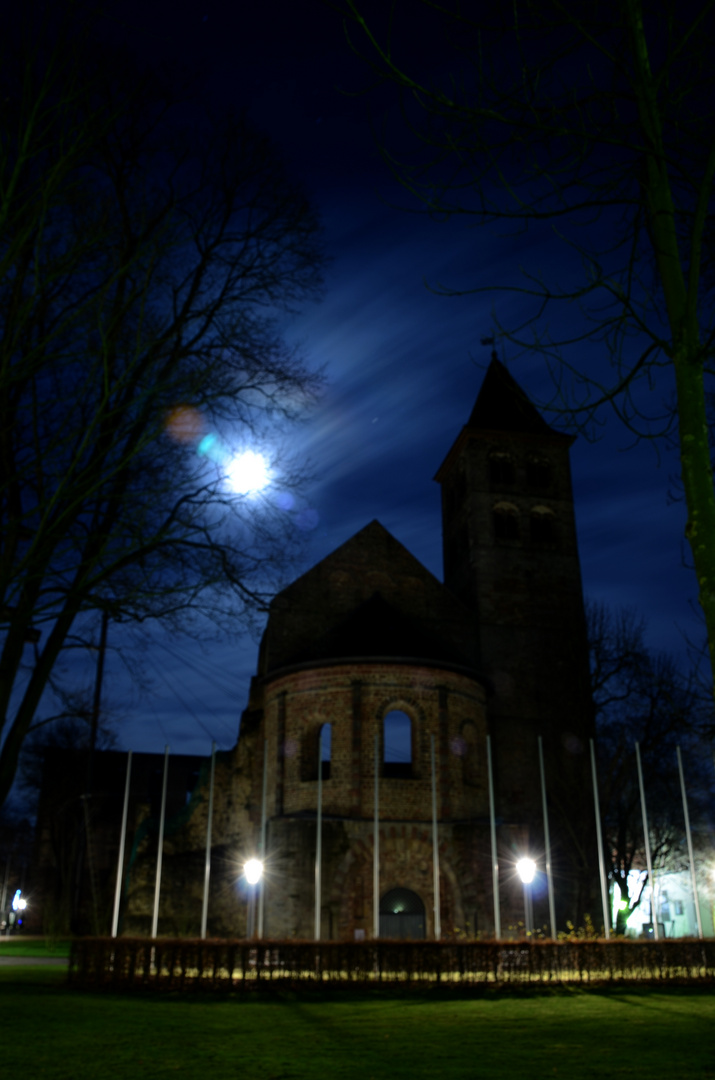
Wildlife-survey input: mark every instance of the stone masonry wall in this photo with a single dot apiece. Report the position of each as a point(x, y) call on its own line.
point(354, 699)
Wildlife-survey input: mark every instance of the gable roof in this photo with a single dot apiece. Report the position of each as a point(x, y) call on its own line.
point(370, 597)
point(376, 629)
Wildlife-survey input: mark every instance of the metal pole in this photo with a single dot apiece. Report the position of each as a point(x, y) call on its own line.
point(4, 886)
point(690, 843)
point(97, 700)
point(207, 863)
point(435, 851)
point(547, 843)
point(122, 840)
point(157, 883)
point(251, 923)
point(646, 836)
point(376, 849)
point(319, 838)
point(599, 839)
point(262, 883)
point(493, 830)
point(528, 910)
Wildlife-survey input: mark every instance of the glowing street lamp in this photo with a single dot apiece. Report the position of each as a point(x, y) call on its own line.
point(526, 868)
point(18, 901)
point(253, 872)
point(18, 906)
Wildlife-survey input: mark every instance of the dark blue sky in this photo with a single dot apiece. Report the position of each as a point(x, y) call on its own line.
point(403, 365)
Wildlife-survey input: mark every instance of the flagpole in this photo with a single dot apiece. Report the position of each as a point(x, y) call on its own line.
point(690, 843)
point(207, 863)
point(376, 849)
point(319, 836)
point(122, 841)
point(162, 816)
point(646, 835)
point(599, 840)
point(493, 831)
point(547, 843)
point(435, 851)
point(262, 883)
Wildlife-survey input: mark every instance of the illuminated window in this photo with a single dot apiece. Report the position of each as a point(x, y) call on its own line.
point(397, 744)
point(506, 522)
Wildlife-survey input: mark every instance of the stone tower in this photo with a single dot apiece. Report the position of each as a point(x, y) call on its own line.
point(510, 554)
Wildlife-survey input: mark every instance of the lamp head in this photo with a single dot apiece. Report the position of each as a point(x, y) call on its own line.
point(253, 870)
point(526, 868)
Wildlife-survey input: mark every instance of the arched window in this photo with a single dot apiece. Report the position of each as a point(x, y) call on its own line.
point(501, 469)
point(316, 752)
point(325, 739)
point(397, 744)
point(542, 526)
point(506, 521)
point(538, 472)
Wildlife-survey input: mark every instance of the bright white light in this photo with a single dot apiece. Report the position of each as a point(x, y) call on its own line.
point(526, 868)
point(248, 473)
point(253, 870)
point(18, 904)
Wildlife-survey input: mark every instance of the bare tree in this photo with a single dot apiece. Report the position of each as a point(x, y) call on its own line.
point(598, 120)
point(148, 250)
point(644, 696)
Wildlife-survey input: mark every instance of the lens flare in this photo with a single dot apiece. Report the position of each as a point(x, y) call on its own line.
point(248, 473)
point(184, 424)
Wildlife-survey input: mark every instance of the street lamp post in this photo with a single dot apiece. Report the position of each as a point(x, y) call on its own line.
point(526, 868)
point(253, 872)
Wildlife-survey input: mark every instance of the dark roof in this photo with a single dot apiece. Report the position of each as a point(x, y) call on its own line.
point(503, 406)
point(376, 629)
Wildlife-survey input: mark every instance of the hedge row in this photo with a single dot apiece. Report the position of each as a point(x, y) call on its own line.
point(125, 963)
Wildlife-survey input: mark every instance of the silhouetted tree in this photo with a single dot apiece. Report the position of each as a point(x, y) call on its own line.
point(148, 250)
point(598, 121)
point(642, 696)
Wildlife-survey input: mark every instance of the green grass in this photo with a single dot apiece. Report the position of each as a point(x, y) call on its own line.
point(18, 946)
point(53, 1032)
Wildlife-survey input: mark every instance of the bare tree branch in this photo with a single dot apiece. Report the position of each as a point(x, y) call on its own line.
point(600, 122)
point(148, 250)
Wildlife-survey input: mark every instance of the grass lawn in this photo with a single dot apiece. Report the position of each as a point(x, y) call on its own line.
point(50, 1031)
point(19, 946)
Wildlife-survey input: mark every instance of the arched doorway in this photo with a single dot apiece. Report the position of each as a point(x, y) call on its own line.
point(402, 914)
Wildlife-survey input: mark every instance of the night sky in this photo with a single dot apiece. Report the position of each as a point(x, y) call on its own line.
point(403, 365)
